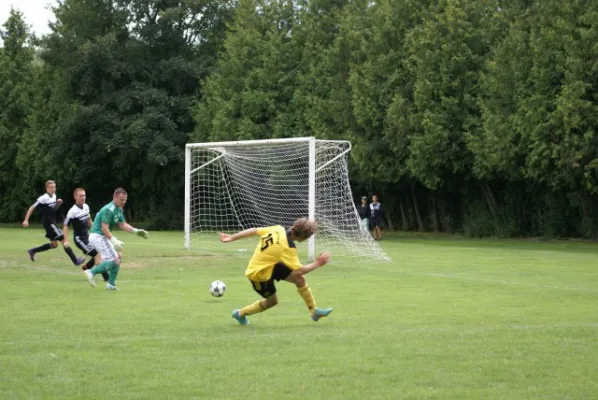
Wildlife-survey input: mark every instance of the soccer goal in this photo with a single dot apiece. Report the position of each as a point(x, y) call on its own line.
point(231, 186)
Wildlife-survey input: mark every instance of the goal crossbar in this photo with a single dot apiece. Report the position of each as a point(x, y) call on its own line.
point(252, 142)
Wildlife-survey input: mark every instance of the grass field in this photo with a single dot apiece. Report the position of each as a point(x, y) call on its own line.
point(450, 318)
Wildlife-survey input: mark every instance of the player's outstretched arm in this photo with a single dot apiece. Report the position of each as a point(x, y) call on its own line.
point(321, 260)
point(139, 232)
point(28, 215)
point(65, 233)
point(225, 237)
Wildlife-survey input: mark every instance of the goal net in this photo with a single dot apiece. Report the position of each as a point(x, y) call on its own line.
point(232, 186)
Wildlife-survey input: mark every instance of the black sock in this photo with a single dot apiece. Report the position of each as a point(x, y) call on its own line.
point(41, 248)
point(106, 276)
point(71, 255)
point(90, 263)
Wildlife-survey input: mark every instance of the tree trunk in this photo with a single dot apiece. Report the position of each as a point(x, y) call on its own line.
point(420, 223)
point(584, 206)
point(129, 214)
point(388, 217)
point(434, 214)
point(490, 201)
point(492, 198)
point(445, 220)
point(404, 225)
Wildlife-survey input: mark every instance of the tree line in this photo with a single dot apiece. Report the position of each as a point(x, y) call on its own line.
point(471, 116)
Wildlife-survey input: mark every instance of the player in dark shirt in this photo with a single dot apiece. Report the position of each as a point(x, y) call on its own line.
point(376, 217)
point(364, 214)
point(80, 217)
point(48, 204)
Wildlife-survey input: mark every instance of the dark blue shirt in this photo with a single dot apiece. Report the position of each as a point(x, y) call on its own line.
point(364, 211)
point(376, 211)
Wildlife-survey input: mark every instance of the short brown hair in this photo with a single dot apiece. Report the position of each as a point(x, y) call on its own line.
point(77, 191)
point(303, 228)
point(120, 191)
point(49, 182)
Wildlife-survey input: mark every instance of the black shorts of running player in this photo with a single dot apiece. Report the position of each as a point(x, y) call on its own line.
point(374, 223)
point(82, 242)
point(267, 288)
point(53, 232)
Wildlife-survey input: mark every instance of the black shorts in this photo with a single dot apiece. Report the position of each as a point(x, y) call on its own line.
point(53, 232)
point(82, 242)
point(267, 288)
point(374, 223)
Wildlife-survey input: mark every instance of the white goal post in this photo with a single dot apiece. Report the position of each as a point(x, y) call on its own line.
point(236, 185)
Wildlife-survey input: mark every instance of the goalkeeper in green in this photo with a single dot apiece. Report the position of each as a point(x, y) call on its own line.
point(107, 245)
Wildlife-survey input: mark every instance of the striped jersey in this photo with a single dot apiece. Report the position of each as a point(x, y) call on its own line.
point(79, 216)
point(47, 206)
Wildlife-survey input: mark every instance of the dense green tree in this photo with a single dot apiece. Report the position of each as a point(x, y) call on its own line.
point(16, 76)
point(539, 111)
point(322, 97)
point(446, 54)
point(251, 87)
point(126, 82)
point(477, 116)
point(381, 85)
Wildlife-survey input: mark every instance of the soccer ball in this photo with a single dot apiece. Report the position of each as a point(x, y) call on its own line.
point(217, 288)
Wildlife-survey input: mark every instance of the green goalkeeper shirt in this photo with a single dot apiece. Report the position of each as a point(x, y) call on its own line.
point(109, 214)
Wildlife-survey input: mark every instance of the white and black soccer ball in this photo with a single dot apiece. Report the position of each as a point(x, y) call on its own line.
point(217, 288)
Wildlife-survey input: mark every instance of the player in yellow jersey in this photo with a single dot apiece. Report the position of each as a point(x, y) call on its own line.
point(274, 259)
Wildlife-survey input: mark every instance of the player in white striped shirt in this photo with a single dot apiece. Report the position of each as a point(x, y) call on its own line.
point(48, 204)
point(80, 218)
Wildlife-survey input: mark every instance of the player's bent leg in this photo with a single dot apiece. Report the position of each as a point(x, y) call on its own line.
point(269, 302)
point(297, 279)
point(89, 276)
point(39, 249)
point(255, 308)
point(259, 306)
point(265, 289)
point(71, 254)
point(95, 259)
point(103, 267)
point(307, 296)
point(83, 244)
point(109, 258)
point(303, 290)
point(89, 264)
point(111, 285)
point(98, 260)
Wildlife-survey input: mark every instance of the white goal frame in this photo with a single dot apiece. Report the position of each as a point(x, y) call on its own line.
point(312, 173)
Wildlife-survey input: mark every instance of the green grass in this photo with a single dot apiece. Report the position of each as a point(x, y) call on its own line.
point(450, 318)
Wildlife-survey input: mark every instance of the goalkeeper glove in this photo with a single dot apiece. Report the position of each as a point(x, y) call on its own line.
point(118, 245)
point(140, 232)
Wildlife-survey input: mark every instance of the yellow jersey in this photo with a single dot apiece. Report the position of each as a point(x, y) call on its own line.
point(275, 245)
